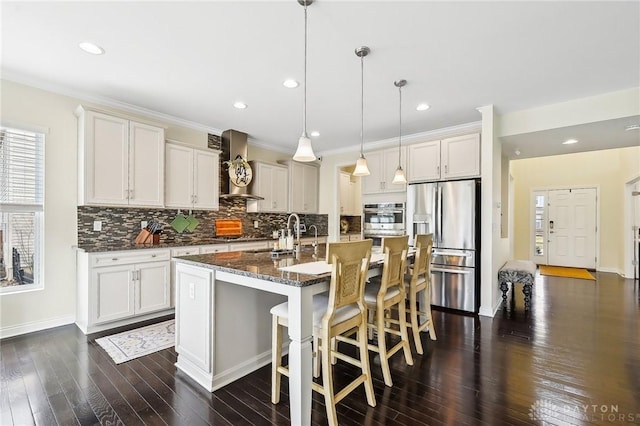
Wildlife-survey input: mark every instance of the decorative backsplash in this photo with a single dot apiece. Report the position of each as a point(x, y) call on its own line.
point(123, 224)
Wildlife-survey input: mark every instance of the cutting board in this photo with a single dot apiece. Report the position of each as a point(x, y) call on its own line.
point(228, 227)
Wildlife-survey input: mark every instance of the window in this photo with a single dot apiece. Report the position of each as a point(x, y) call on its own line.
point(21, 209)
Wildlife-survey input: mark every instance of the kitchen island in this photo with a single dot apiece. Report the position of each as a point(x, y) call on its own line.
point(223, 325)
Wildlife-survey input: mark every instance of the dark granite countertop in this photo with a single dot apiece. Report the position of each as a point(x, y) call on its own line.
point(119, 245)
point(261, 265)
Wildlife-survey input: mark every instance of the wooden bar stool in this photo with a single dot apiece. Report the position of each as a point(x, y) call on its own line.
point(383, 295)
point(419, 280)
point(342, 314)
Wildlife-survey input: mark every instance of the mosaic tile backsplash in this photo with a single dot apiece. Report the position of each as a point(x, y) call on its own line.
point(122, 225)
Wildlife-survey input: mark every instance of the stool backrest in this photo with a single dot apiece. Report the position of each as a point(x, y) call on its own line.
point(350, 263)
point(422, 262)
point(395, 257)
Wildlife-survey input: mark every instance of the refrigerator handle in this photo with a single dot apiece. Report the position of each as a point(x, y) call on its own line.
point(440, 212)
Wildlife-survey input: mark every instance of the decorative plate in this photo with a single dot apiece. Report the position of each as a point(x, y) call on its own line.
point(240, 172)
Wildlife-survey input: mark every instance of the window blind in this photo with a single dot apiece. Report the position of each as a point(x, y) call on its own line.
point(21, 169)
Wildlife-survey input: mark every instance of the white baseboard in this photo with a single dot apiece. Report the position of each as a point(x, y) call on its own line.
point(30, 327)
point(611, 270)
point(488, 311)
point(232, 374)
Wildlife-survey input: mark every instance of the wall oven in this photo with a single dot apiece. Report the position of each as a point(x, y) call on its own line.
point(383, 220)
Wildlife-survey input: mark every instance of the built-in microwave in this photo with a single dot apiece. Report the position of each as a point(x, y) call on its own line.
point(383, 219)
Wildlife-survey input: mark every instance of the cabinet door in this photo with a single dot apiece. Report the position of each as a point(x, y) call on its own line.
point(279, 189)
point(460, 156)
point(112, 293)
point(424, 162)
point(206, 180)
point(146, 165)
point(303, 187)
point(178, 176)
point(152, 287)
point(311, 181)
point(390, 157)
point(106, 159)
point(372, 184)
point(296, 186)
point(263, 178)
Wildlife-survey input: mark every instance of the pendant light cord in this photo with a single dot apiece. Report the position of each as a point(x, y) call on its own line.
point(400, 133)
point(304, 106)
point(362, 106)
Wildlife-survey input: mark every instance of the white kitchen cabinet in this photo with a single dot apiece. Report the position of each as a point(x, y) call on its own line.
point(304, 181)
point(349, 197)
point(192, 177)
point(119, 288)
point(270, 181)
point(451, 158)
point(382, 166)
point(120, 161)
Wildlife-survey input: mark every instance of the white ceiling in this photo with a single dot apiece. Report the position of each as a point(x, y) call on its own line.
point(193, 60)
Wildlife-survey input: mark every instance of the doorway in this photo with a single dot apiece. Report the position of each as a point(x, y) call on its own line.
point(564, 227)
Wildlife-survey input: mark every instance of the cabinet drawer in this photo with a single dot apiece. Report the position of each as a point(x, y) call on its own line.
point(184, 251)
point(218, 248)
point(124, 258)
point(258, 245)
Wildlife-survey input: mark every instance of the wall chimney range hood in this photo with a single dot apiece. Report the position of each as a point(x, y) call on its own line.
point(236, 176)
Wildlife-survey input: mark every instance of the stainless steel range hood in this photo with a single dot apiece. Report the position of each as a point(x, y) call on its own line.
point(234, 144)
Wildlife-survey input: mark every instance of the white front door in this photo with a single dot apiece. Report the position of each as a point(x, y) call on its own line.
point(572, 227)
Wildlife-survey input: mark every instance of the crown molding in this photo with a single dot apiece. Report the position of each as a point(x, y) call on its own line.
point(445, 132)
point(104, 101)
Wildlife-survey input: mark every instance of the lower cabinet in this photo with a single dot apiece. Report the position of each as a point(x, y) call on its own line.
point(119, 288)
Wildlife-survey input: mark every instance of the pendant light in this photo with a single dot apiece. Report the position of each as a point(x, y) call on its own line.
point(304, 153)
point(362, 169)
point(399, 176)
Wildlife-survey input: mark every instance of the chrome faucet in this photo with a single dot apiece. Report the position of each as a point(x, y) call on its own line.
point(315, 241)
point(297, 229)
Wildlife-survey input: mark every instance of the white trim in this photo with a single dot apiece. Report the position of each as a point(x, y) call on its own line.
point(31, 327)
point(27, 127)
point(628, 251)
point(232, 374)
point(488, 312)
point(612, 271)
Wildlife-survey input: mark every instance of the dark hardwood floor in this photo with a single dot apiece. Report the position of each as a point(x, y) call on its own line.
point(574, 359)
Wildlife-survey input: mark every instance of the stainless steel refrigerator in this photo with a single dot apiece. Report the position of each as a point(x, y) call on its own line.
point(450, 211)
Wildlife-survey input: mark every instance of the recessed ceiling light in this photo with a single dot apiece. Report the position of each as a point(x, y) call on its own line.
point(240, 105)
point(570, 142)
point(92, 48)
point(315, 133)
point(422, 107)
point(290, 83)
point(633, 127)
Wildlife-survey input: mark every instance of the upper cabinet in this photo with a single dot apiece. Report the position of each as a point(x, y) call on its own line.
point(192, 177)
point(382, 166)
point(451, 158)
point(120, 162)
point(270, 181)
point(304, 181)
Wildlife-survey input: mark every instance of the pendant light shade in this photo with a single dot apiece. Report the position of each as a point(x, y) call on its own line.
point(399, 177)
point(304, 153)
point(362, 169)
